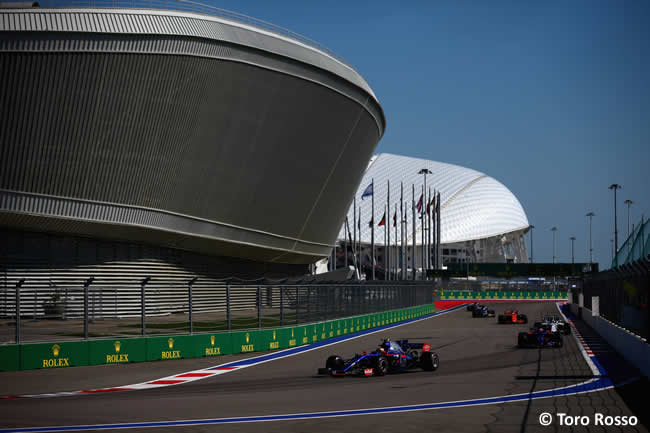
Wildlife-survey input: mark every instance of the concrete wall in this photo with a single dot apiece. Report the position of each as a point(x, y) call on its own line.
point(632, 347)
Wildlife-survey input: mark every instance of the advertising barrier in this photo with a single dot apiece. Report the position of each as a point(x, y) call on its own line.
point(124, 350)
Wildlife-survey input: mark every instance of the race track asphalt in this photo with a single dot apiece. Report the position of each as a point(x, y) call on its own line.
point(478, 358)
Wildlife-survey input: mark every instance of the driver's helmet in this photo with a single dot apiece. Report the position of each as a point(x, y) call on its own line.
point(385, 345)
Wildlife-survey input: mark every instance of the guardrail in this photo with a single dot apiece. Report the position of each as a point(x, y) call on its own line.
point(195, 7)
point(118, 351)
point(81, 309)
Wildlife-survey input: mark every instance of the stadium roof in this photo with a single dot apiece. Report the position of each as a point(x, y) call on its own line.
point(474, 205)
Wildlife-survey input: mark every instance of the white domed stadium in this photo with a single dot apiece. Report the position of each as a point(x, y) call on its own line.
point(481, 221)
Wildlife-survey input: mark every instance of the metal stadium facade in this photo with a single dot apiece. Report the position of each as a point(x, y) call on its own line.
point(201, 142)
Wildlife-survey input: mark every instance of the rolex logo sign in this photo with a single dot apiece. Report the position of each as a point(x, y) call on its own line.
point(170, 354)
point(56, 361)
point(274, 344)
point(117, 356)
point(212, 350)
point(247, 347)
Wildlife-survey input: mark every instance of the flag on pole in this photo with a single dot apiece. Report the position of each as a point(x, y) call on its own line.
point(367, 192)
point(370, 224)
point(419, 205)
point(383, 220)
point(395, 217)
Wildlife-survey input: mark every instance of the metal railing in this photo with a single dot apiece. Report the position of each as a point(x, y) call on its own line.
point(32, 311)
point(195, 7)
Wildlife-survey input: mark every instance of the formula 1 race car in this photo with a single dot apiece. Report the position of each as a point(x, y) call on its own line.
point(482, 311)
point(556, 323)
point(509, 317)
point(539, 338)
point(390, 357)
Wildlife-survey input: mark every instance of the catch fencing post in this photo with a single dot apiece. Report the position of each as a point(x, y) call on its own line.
point(228, 306)
point(259, 306)
point(189, 302)
point(87, 284)
point(143, 325)
point(19, 284)
point(281, 305)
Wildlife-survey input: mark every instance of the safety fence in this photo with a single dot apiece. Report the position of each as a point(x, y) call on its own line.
point(49, 309)
point(636, 246)
point(123, 350)
point(623, 293)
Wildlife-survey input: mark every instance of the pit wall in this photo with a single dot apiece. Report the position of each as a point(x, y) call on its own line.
point(123, 350)
point(451, 298)
point(633, 348)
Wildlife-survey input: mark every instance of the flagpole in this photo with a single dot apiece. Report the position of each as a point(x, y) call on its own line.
point(434, 237)
point(354, 230)
point(396, 248)
point(439, 232)
point(360, 252)
point(372, 232)
point(345, 244)
point(428, 227)
point(402, 229)
point(385, 245)
point(387, 229)
point(413, 262)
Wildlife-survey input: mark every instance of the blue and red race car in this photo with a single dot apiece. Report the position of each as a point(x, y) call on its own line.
point(539, 338)
point(390, 357)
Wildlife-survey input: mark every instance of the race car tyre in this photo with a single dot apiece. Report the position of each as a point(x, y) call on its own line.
point(501, 319)
point(522, 341)
point(567, 329)
point(429, 361)
point(381, 368)
point(524, 318)
point(335, 362)
point(415, 355)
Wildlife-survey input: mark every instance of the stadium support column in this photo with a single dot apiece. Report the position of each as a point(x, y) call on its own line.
point(434, 234)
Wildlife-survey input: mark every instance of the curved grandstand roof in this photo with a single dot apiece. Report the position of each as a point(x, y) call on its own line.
point(474, 205)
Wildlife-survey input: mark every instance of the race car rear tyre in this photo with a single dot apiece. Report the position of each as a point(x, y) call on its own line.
point(567, 329)
point(381, 368)
point(335, 362)
point(522, 341)
point(429, 361)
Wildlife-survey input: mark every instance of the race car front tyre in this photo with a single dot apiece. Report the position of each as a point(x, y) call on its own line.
point(524, 318)
point(429, 361)
point(335, 362)
point(381, 368)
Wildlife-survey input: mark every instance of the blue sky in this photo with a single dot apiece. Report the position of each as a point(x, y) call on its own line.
point(551, 98)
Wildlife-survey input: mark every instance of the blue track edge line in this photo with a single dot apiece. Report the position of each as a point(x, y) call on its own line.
point(588, 386)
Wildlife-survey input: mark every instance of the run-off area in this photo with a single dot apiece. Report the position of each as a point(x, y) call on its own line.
point(478, 359)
